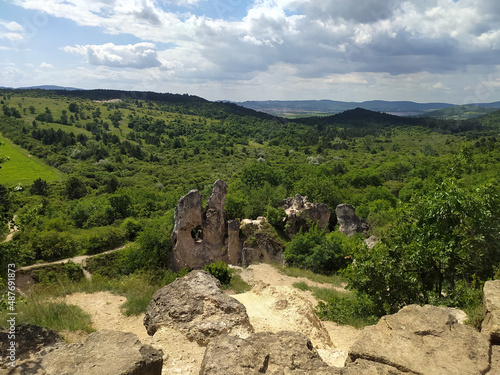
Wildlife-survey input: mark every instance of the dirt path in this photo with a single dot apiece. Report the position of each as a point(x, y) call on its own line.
point(265, 307)
point(78, 259)
point(13, 229)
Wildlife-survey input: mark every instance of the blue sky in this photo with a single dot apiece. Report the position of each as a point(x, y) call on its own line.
point(427, 50)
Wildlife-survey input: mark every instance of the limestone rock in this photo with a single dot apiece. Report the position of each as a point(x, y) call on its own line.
point(300, 212)
point(364, 367)
point(349, 223)
point(495, 360)
point(259, 246)
point(197, 306)
point(282, 308)
point(199, 234)
point(29, 340)
point(103, 352)
point(424, 340)
point(491, 306)
point(265, 352)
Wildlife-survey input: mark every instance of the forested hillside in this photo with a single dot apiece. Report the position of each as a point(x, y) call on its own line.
point(119, 161)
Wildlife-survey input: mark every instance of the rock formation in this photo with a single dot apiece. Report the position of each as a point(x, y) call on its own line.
point(259, 246)
point(491, 306)
point(424, 340)
point(301, 213)
point(196, 305)
point(265, 352)
point(199, 234)
point(284, 308)
point(349, 223)
point(103, 352)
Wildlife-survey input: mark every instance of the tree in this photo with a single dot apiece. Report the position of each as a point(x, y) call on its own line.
point(73, 107)
point(438, 240)
point(75, 188)
point(39, 187)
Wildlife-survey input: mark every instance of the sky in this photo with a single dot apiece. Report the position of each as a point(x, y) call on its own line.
point(348, 50)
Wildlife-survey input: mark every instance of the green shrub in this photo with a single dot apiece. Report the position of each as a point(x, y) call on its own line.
point(220, 271)
point(104, 238)
point(51, 245)
point(356, 310)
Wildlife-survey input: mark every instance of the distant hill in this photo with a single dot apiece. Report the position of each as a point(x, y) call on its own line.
point(462, 112)
point(307, 108)
point(49, 87)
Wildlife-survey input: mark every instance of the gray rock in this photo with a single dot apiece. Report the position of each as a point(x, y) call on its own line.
point(104, 352)
point(491, 307)
point(424, 340)
point(349, 223)
point(265, 352)
point(300, 213)
point(199, 234)
point(197, 306)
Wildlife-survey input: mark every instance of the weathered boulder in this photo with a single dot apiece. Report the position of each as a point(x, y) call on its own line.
point(103, 352)
point(234, 244)
point(265, 352)
point(199, 234)
point(196, 305)
point(491, 307)
point(424, 340)
point(300, 213)
point(29, 340)
point(349, 223)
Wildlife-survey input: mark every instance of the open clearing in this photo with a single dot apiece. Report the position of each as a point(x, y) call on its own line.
point(22, 168)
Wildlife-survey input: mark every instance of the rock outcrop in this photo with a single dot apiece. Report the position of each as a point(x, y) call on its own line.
point(282, 308)
point(265, 352)
point(196, 305)
point(199, 234)
point(349, 223)
point(258, 245)
point(301, 213)
point(424, 340)
point(102, 353)
point(491, 306)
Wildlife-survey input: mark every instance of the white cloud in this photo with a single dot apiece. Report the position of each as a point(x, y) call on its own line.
point(45, 65)
point(323, 44)
point(139, 56)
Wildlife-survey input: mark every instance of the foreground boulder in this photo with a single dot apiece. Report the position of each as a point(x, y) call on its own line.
point(424, 340)
point(196, 305)
point(349, 223)
point(104, 352)
point(491, 306)
point(265, 352)
point(29, 340)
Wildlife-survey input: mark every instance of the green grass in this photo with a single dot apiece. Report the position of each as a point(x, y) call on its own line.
point(316, 277)
point(237, 285)
point(22, 168)
point(325, 294)
point(55, 315)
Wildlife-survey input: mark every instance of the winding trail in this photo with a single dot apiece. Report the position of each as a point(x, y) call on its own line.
point(13, 229)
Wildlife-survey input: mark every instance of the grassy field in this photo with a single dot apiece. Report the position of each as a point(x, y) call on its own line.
point(21, 167)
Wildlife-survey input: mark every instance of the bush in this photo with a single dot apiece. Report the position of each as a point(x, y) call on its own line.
point(319, 252)
point(357, 310)
point(220, 271)
point(50, 245)
point(104, 238)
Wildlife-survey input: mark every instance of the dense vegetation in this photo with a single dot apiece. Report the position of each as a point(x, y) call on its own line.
point(119, 161)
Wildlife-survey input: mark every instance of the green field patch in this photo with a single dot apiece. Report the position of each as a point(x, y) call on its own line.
point(22, 168)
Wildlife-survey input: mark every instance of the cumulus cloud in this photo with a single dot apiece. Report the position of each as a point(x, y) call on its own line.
point(45, 65)
point(316, 39)
point(11, 31)
point(139, 56)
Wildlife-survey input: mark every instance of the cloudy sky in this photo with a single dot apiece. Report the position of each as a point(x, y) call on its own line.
point(350, 50)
